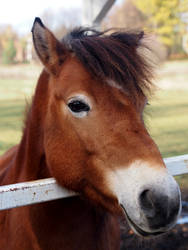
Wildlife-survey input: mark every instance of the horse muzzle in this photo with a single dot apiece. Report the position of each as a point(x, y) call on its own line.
point(158, 213)
point(149, 196)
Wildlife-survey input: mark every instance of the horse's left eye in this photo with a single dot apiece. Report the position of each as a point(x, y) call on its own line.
point(78, 108)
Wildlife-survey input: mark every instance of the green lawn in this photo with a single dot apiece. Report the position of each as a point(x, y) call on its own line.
point(166, 116)
point(14, 93)
point(10, 123)
point(166, 119)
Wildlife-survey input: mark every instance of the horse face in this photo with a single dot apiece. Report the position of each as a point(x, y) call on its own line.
point(96, 144)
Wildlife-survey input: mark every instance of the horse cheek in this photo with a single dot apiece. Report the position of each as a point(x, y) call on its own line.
point(66, 160)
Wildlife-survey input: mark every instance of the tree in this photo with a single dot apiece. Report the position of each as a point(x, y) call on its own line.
point(62, 20)
point(7, 40)
point(9, 52)
point(126, 16)
point(164, 19)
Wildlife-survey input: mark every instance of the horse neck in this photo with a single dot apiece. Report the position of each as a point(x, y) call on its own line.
point(30, 162)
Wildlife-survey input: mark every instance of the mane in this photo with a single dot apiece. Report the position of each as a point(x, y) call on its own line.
point(114, 57)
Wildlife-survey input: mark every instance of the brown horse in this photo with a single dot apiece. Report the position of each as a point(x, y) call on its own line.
point(85, 128)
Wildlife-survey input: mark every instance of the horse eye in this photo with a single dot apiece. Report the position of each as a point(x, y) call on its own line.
point(78, 106)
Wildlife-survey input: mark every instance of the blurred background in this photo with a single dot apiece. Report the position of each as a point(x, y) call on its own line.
point(166, 23)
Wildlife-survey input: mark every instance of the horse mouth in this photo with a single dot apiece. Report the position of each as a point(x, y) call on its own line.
point(137, 229)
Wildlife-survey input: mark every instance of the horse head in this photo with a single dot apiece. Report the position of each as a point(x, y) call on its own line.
point(95, 140)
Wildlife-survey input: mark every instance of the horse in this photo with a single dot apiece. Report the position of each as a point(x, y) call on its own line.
point(85, 128)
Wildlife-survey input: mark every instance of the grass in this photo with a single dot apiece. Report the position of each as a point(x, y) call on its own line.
point(168, 122)
point(169, 125)
point(14, 93)
point(10, 123)
point(168, 111)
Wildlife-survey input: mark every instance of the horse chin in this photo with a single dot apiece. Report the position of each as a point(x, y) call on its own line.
point(137, 229)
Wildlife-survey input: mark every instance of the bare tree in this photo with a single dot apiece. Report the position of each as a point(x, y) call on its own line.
point(62, 20)
point(125, 16)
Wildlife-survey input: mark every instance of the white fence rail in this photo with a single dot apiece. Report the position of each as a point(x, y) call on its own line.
point(27, 193)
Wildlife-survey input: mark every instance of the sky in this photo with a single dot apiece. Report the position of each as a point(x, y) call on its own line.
point(21, 13)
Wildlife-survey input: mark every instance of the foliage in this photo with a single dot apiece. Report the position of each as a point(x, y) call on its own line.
point(7, 42)
point(164, 19)
point(9, 52)
point(10, 41)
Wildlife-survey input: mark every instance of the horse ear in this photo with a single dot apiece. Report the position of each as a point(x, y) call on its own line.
point(51, 52)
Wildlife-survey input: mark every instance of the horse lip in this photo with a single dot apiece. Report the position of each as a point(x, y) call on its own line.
point(137, 229)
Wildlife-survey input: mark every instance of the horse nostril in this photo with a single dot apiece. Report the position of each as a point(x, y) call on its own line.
point(147, 204)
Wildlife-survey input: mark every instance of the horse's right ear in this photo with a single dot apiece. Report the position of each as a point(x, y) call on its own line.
point(51, 52)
